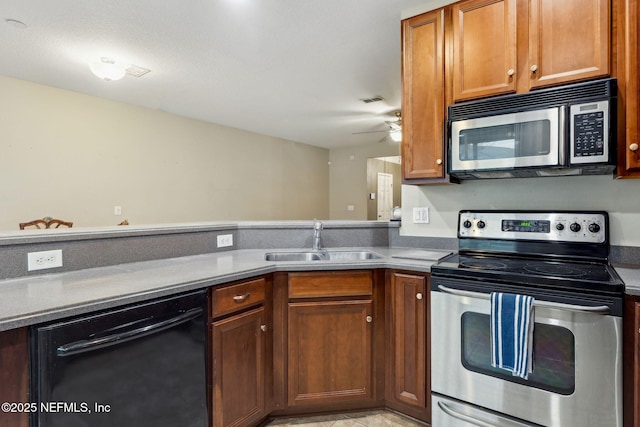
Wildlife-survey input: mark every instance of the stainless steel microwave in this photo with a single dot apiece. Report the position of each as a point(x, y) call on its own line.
point(568, 130)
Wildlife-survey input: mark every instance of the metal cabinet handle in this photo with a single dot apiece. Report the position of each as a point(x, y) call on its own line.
point(419, 296)
point(241, 298)
point(369, 319)
point(439, 161)
point(598, 309)
point(511, 72)
point(263, 328)
point(633, 147)
point(534, 68)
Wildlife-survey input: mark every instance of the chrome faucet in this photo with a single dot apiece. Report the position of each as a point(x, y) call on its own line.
point(317, 238)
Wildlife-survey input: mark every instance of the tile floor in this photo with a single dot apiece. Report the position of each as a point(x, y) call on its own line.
point(379, 418)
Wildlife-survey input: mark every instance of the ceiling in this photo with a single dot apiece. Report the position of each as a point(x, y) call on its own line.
point(293, 69)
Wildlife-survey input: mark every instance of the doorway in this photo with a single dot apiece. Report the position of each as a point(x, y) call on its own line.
point(384, 182)
point(385, 196)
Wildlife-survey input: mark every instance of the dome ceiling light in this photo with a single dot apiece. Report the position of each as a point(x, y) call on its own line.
point(108, 69)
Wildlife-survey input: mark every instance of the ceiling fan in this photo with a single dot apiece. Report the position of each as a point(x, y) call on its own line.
point(395, 128)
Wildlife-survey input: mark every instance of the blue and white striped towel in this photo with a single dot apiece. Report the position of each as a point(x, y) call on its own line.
point(512, 320)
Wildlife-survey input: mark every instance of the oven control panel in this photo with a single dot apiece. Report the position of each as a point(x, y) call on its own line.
point(585, 227)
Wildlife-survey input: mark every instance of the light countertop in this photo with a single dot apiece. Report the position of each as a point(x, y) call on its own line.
point(37, 299)
point(630, 275)
point(41, 298)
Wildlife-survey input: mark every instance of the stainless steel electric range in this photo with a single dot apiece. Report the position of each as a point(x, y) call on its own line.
point(560, 259)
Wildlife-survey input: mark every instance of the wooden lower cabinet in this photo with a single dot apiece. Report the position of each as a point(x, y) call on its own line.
point(331, 357)
point(14, 375)
point(241, 365)
point(631, 365)
point(329, 352)
point(407, 373)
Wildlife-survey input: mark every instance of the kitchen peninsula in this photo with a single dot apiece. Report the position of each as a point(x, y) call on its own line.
point(378, 301)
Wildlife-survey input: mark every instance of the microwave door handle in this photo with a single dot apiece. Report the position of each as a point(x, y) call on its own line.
point(464, 417)
point(599, 309)
point(84, 346)
point(563, 138)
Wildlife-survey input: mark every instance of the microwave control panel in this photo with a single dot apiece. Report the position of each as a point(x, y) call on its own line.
point(589, 132)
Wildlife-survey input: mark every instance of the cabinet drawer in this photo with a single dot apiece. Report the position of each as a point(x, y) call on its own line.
point(334, 284)
point(235, 297)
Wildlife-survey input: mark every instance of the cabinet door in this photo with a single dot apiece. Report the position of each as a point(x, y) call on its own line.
point(568, 40)
point(409, 374)
point(239, 353)
point(484, 48)
point(631, 366)
point(14, 375)
point(330, 352)
point(629, 105)
point(423, 103)
point(636, 365)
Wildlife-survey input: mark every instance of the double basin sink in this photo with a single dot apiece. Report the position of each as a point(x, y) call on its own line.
point(321, 256)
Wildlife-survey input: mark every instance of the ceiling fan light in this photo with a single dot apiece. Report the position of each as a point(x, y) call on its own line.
point(396, 135)
point(108, 69)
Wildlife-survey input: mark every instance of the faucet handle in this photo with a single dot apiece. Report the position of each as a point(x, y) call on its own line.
point(317, 225)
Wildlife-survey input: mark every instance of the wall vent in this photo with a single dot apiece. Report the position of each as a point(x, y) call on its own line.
point(136, 71)
point(375, 98)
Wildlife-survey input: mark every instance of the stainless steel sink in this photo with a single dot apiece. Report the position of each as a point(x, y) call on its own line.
point(352, 255)
point(321, 256)
point(292, 256)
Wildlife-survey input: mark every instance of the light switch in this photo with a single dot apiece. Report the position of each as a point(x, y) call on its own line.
point(421, 215)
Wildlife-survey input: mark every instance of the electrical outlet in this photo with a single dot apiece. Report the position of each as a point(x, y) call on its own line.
point(225, 240)
point(44, 259)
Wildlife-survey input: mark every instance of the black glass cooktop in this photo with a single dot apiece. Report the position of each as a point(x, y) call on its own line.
point(541, 272)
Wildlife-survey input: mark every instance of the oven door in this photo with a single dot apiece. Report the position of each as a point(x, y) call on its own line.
point(508, 141)
point(576, 379)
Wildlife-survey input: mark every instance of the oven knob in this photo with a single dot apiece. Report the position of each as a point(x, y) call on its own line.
point(559, 226)
point(467, 224)
point(481, 224)
point(575, 227)
point(594, 228)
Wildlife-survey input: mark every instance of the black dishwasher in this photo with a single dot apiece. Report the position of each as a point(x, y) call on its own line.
point(136, 366)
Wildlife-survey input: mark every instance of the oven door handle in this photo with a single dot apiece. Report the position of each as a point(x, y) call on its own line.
point(598, 309)
point(455, 414)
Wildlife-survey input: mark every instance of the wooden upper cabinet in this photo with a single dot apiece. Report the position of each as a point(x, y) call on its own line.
point(423, 103)
point(628, 24)
point(569, 40)
point(484, 48)
point(505, 46)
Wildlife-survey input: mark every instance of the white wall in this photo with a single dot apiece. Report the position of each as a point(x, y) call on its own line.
point(621, 198)
point(75, 157)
